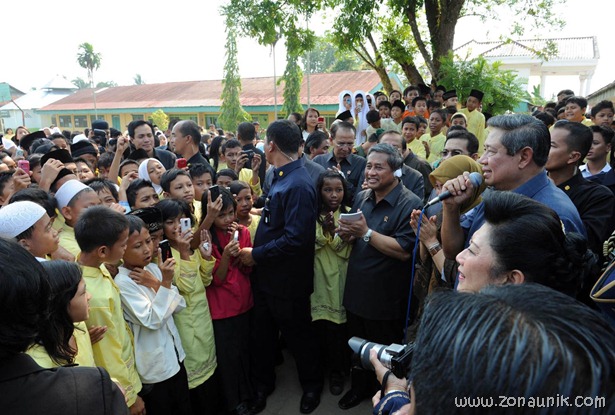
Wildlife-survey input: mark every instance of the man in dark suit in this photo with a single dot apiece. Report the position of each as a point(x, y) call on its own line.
point(283, 274)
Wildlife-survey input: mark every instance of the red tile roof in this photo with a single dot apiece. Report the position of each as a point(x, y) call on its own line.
point(324, 90)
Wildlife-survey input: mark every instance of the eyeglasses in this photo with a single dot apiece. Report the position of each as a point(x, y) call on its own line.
point(341, 145)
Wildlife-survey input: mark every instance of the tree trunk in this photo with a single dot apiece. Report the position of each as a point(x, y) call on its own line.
point(384, 78)
point(412, 73)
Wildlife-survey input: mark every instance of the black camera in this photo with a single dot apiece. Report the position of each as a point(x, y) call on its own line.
point(395, 357)
point(249, 153)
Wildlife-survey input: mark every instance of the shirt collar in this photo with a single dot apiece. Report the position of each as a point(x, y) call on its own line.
point(534, 185)
point(17, 366)
point(286, 169)
point(392, 196)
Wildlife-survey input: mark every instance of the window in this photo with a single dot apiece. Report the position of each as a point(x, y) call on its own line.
point(137, 117)
point(81, 121)
point(66, 121)
point(54, 120)
point(115, 121)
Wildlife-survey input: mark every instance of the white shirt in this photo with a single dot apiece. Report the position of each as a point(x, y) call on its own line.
point(150, 316)
point(8, 144)
point(586, 173)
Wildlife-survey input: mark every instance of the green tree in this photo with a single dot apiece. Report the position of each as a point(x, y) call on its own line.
point(106, 84)
point(138, 80)
point(231, 111)
point(161, 119)
point(293, 75)
point(502, 88)
point(326, 57)
point(80, 83)
point(89, 60)
point(414, 34)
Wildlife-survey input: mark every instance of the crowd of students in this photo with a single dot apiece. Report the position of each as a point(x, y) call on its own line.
point(140, 235)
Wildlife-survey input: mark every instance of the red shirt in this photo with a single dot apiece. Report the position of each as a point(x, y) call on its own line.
point(232, 296)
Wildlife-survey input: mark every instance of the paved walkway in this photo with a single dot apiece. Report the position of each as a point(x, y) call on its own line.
point(287, 395)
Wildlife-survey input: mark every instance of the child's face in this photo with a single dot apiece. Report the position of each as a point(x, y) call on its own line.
point(155, 171)
point(84, 200)
point(459, 121)
point(409, 132)
point(395, 96)
point(396, 112)
point(172, 228)
point(332, 193)
point(200, 184)
point(181, 188)
point(435, 123)
point(385, 112)
point(139, 249)
point(574, 112)
point(224, 181)
point(8, 190)
point(129, 168)
point(84, 172)
point(106, 198)
point(146, 197)
point(411, 95)
point(472, 103)
point(604, 118)
point(420, 108)
point(231, 155)
point(79, 306)
point(422, 129)
point(225, 218)
point(157, 237)
point(116, 251)
point(44, 239)
point(244, 203)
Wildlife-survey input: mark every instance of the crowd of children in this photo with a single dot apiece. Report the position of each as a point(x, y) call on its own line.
point(143, 259)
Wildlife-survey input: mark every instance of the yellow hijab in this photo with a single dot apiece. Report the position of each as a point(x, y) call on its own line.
point(455, 166)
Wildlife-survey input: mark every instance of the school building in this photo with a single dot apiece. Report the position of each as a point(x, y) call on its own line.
point(200, 100)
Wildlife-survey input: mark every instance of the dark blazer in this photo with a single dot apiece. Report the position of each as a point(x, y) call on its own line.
point(28, 389)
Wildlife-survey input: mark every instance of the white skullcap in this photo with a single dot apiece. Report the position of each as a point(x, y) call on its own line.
point(79, 137)
point(69, 190)
point(18, 217)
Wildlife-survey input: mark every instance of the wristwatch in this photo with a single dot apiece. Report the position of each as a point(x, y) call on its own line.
point(368, 235)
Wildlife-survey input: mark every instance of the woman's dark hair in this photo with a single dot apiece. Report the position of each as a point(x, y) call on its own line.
point(214, 149)
point(303, 124)
point(64, 278)
point(315, 139)
point(328, 174)
point(528, 236)
point(174, 208)
point(24, 294)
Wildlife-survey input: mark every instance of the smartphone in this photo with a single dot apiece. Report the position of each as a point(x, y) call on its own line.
point(24, 165)
point(185, 224)
point(321, 120)
point(182, 163)
point(214, 191)
point(19, 152)
point(165, 248)
point(360, 107)
point(236, 236)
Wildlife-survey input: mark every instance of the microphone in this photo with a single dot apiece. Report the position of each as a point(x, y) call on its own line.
point(475, 178)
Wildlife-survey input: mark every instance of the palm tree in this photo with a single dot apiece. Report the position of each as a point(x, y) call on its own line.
point(89, 60)
point(138, 80)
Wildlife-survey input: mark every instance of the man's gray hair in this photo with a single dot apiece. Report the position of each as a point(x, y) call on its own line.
point(521, 131)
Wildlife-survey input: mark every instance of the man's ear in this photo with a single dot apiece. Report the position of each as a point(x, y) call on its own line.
point(475, 156)
point(166, 195)
point(102, 251)
point(574, 157)
point(527, 156)
point(25, 243)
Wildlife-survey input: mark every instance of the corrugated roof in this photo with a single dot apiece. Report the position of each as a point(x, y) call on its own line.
point(324, 90)
point(37, 99)
point(571, 48)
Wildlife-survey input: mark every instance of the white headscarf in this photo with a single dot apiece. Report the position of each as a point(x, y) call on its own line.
point(143, 174)
point(342, 108)
point(361, 116)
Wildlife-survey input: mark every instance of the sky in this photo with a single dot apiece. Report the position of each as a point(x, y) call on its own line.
point(184, 41)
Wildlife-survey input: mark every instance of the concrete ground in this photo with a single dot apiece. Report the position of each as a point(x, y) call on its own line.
point(287, 395)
